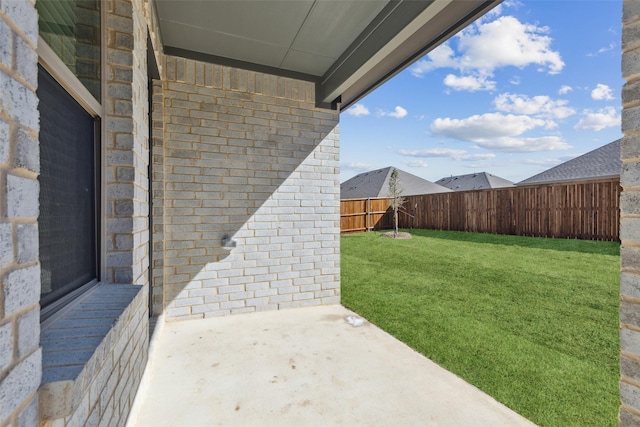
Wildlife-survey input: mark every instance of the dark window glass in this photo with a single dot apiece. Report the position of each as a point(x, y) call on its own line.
point(72, 29)
point(68, 203)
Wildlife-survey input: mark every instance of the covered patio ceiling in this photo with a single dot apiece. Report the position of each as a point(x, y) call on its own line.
point(346, 47)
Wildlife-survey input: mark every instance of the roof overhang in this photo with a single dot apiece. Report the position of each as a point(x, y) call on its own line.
point(347, 48)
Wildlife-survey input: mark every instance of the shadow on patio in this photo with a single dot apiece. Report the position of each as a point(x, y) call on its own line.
point(301, 367)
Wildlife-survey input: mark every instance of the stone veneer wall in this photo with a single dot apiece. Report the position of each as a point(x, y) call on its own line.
point(247, 155)
point(20, 354)
point(630, 219)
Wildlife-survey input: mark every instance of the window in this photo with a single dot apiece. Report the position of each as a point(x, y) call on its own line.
point(68, 191)
point(71, 28)
point(69, 92)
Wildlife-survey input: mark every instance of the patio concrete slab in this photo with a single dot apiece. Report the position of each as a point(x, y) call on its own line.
point(301, 367)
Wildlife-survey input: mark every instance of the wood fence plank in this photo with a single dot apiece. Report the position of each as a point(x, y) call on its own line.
point(584, 210)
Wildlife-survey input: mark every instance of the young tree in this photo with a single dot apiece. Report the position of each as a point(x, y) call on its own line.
point(395, 193)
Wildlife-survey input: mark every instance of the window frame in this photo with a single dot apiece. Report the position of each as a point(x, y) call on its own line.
point(56, 299)
point(51, 63)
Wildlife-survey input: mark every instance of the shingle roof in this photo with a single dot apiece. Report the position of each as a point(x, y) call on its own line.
point(474, 181)
point(376, 184)
point(603, 162)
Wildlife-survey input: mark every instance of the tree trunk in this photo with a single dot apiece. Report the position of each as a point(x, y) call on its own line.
point(395, 223)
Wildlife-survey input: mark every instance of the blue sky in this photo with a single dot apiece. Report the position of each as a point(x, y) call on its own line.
point(528, 86)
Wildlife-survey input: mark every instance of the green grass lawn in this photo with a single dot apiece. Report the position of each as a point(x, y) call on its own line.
point(533, 322)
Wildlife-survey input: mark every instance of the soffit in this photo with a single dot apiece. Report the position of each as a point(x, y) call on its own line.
point(346, 47)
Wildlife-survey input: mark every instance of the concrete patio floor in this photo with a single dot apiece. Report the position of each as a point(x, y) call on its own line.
point(301, 367)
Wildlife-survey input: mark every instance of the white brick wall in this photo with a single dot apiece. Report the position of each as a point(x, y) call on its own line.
point(20, 356)
point(247, 155)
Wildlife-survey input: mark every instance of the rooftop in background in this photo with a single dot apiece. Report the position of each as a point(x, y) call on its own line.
point(474, 181)
point(603, 162)
point(376, 184)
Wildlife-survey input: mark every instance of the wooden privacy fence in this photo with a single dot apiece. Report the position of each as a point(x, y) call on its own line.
point(365, 215)
point(578, 210)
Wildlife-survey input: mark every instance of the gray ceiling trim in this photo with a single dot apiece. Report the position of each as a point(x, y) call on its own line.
point(334, 77)
point(402, 32)
point(251, 66)
point(153, 72)
point(392, 19)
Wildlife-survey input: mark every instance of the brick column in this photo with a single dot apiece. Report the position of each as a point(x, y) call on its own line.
point(630, 219)
point(20, 354)
point(126, 144)
point(157, 193)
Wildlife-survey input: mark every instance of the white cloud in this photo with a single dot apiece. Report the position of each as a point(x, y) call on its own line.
point(493, 13)
point(602, 92)
point(598, 120)
point(568, 157)
point(476, 157)
point(515, 80)
point(539, 106)
point(564, 89)
point(358, 110)
point(481, 127)
point(499, 43)
point(608, 48)
point(488, 45)
point(446, 152)
point(397, 113)
point(440, 57)
point(432, 152)
point(356, 166)
point(469, 83)
point(611, 46)
point(542, 162)
point(508, 42)
point(415, 163)
point(499, 131)
point(525, 145)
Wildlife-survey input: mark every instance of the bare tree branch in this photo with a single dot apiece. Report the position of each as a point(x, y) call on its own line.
point(395, 194)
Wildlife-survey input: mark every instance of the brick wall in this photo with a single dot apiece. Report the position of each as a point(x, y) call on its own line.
point(20, 356)
point(630, 219)
point(126, 144)
point(157, 194)
point(246, 155)
point(97, 388)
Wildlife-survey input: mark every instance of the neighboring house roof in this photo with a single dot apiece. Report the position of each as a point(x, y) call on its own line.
point(376, 184)
point(474, 181)
point(603, 162)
